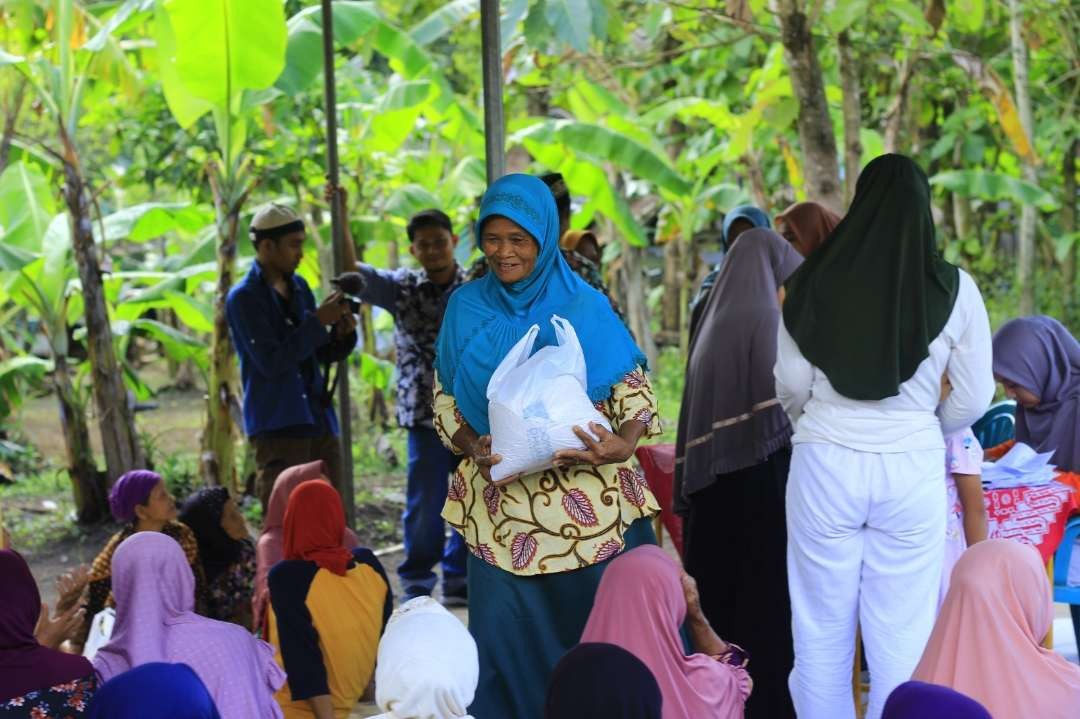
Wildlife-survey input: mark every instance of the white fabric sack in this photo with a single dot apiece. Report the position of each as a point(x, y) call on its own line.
point(427, 666)
point(534, 402)
point(101, 629)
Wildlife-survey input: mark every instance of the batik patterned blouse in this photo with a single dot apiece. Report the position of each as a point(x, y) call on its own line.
point(559, 519)
point(229, 594)
point(99, 593)
point(62, 701)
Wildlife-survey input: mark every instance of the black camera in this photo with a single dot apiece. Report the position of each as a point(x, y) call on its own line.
point(354, 304)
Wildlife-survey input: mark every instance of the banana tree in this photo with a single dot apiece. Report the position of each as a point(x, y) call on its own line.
point(36, 274)
point(213, 57)
point(60, 71)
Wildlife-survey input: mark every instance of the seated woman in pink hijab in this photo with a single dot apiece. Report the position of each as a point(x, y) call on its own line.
point(154, 590)
point(643, 599)
point(987, 639)
point(270, 548)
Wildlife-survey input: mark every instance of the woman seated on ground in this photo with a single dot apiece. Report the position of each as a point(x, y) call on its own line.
point(154, 691)
point(36, 680)
point(140, 501)
point(919, 700)
point(602, 680)
point(226, 553)
point(987, 642)
point(155, 622)
point(427, 666)
point(643, 600)
point(271, 545)
point(806, 225)
point(328, 607)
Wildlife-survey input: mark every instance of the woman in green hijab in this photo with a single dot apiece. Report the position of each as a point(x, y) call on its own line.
point(872, 322)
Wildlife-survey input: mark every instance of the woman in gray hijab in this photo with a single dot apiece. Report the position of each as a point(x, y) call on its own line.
point(731, 464)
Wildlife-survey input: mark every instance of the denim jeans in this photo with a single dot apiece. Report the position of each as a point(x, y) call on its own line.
point(430, 465)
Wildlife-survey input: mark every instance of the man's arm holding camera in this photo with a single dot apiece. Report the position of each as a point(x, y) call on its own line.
point(367, 284)
point(249, 322)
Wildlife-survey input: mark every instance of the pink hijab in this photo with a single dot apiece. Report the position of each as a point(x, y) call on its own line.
point(640, 606)
point(154, 590)
point(986, 643)
point(271, 545)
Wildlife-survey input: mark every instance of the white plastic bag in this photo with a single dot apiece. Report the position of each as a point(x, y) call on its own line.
point(535, 402)
point(101, 629)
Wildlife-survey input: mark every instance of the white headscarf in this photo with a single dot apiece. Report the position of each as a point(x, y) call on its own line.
point(427, 666)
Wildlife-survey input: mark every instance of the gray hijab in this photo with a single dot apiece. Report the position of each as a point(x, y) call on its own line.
point(730, 417)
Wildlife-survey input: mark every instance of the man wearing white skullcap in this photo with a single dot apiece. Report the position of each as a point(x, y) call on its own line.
point(282, 338)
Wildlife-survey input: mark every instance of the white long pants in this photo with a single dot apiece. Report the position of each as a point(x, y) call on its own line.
point(866, 536)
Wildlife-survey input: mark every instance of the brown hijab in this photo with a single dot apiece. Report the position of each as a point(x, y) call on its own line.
point(806, 225)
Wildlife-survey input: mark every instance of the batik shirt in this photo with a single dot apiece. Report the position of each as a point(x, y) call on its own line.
point(417, 305)
point(62, 701)
point(560, 519)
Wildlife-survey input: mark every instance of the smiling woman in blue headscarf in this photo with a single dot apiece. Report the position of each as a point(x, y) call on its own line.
point(539, 542)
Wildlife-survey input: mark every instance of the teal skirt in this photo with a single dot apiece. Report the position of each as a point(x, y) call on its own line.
point(523, 626)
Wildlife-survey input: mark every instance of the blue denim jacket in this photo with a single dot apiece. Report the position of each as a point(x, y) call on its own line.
point(279, 359)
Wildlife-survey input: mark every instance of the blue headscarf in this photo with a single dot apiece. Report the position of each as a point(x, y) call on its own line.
point(751, 214)
point(157, 690)
point(485, 318)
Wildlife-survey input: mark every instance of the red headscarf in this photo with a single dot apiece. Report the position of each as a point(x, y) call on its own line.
point(314, 523)
point(270, 548)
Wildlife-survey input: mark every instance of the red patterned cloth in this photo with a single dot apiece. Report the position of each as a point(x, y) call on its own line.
point(658, 463)
point(1032, 515)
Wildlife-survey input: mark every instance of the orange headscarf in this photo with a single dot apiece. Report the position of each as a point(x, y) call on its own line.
point(986, 642)
point(810, 222)
point(314, 524)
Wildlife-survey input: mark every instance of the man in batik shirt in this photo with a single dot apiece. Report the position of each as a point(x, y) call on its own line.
point(417, 299)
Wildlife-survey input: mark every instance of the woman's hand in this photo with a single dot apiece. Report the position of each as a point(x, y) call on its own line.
point(55, 631)
point(608, 448)
point(70, 587)
point(479, 450)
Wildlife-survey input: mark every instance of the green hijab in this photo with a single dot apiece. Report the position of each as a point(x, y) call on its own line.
point(865, 307)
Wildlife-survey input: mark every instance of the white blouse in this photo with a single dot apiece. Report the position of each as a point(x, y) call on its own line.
point(912, 419)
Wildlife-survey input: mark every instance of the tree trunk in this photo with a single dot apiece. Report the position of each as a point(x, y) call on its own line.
point(87, 483)
point(849, 83)
point(815, 126)
point(116, 421)
point(637, 311)
point(669, 305)
point(1068, 226)
point(218, 465)
point(894, 117)
point(1025, 270)
point(962, 212)
point(757, 180)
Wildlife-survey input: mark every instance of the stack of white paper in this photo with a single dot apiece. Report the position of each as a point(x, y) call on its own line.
point(1021, 466)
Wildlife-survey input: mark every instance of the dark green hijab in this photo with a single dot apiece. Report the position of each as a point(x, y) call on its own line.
point(865, 307)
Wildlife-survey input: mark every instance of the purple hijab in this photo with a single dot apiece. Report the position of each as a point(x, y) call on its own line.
point(133, 488)
point(1039, 354)
point(25, 665)
point(919, 700)
point(730, 418)
point(154, 590)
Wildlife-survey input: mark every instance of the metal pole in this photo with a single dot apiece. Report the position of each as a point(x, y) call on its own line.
point(494, 127)
point(344, 411)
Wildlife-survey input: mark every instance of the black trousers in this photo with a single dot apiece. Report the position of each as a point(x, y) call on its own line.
point(736, 548)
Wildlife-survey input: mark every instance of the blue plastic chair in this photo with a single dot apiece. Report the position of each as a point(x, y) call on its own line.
point(997, 425)
point(1063, 593)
